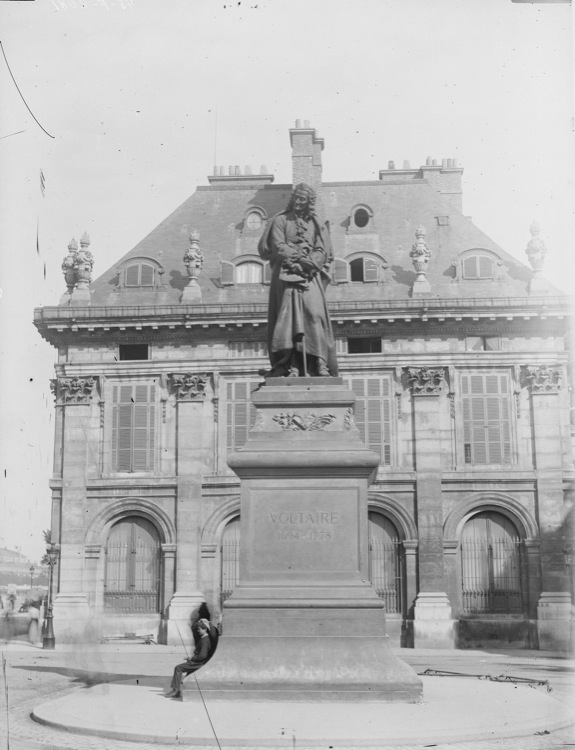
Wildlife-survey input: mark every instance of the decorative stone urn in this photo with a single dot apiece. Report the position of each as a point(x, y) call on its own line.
point(69, 270)
point(193, 260)
point(84, 264)
point(536, 251)
point(420, 255)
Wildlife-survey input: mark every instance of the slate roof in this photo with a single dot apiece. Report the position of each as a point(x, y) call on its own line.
point(217, 211)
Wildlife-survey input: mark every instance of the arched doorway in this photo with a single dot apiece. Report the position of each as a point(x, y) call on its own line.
point(230, 559)
point(491, 566)
point(132, 578)
point(386, 562)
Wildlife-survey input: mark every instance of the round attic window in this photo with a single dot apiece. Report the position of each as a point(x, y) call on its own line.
point(254, 220)
point(361, 218)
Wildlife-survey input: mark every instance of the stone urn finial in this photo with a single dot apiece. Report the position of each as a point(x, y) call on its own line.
point(536, 251)
point(420, 255)
point(84, 264)
point(193, 260)
point(69, 270)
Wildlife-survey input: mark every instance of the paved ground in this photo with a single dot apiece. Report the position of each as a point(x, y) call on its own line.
point(32, 677)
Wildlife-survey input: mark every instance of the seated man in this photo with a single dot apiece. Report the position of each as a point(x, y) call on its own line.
point(206, 638)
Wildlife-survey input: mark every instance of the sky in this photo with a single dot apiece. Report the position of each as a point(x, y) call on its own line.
point(134, 101)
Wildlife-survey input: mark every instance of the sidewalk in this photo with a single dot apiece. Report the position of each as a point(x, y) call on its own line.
point(114, 693)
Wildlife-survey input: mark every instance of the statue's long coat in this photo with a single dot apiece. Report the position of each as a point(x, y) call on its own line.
point(297, 304)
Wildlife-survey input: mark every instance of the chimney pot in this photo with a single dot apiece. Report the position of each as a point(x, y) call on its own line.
point(406, 165)
point(306, 123)
point(248, 169)
point(434, 162)
point(231, 170)
point(216, 171)
point(222, 171)
point(444, 163)
point(237, 170)
point(391, 165)
point(263, 169)
point(454, 163)
point(428, 161)
point(298, 124)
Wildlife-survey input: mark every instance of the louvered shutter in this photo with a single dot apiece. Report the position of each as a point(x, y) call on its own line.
point(227, 272)
point(133, 275)
point(372, 414)
point(486, 419)
point(370, 270)
point(240, 413)
point(485, 267)
point(340, 271)
point(133, 427)
point(147, 277)
point(470, 267)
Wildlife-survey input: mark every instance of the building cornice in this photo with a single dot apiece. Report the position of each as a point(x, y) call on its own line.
point(58, 324)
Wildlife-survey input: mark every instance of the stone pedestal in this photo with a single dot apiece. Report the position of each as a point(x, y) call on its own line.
point(554, 616)
point(421, 287)
point(192, 293)
point(433, 626)
point(304, 623)
point(72, 619)
point(80, 297)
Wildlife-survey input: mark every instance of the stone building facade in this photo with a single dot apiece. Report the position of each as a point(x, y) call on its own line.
point(460, 362)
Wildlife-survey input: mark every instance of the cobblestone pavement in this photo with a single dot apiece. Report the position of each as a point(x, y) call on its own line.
point(31, 676)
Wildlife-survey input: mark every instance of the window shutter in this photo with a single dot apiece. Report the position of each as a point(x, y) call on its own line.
point(241, 413)
point(340, 271)
point(372, 413)
point(133, 427)
point(486, 418)
point(370, 270)
point(133, 275)
point(227, 271)
point(147, 278)
point(470, 267)
point(485, 267)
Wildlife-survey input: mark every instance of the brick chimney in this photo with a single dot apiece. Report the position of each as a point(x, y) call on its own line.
point(306, 154)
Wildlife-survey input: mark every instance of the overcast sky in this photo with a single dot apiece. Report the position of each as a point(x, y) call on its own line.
point(143, 97)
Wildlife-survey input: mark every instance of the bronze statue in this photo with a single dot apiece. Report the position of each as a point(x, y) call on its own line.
point(300, 338)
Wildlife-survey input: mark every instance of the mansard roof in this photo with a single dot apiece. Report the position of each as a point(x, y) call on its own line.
point(396, 209)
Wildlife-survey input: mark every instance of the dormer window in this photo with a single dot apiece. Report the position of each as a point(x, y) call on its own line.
point(249, 273)
point(254, 219)
point(140, 273)
point(361, 218)
point(478, 267)
point(247, 269)
point(364, 268)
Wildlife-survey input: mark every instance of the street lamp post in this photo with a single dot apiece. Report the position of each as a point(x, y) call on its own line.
point(48, 640)
point(32, 569)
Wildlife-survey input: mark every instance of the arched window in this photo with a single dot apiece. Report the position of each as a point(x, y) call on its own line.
point(491, 565)
point(132, 579)
point(230, 559)
point(385, 562)
point(249, 273)
point(478, 266)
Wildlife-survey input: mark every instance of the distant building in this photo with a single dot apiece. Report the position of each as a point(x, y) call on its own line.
point(457, 353)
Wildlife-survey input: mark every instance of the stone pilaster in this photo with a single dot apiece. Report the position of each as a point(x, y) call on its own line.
point(433, 626)
point(554, 606)
point(71, 607)
point(189, 389)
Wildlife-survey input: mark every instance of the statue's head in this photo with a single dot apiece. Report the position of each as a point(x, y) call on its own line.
point(303, 200)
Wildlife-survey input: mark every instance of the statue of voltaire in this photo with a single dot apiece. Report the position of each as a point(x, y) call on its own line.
point(300, 338)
